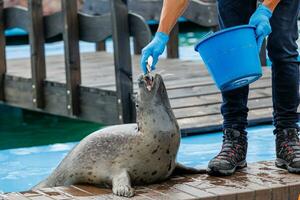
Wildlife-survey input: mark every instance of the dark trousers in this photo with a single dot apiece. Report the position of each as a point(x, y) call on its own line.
point(282, 51)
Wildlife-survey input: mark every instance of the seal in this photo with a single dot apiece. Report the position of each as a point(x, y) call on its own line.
point(131, 154)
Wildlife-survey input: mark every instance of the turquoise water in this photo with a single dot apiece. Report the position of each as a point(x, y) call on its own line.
point(22, 168)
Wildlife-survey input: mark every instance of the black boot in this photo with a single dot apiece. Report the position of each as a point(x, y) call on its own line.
point(288, 149)
point(232, 155)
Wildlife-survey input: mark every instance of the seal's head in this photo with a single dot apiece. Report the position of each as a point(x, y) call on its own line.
point(152, 100)
point(152, 89)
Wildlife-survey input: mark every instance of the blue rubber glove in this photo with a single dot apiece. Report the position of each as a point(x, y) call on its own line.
point(261, 20)
point(155, 48)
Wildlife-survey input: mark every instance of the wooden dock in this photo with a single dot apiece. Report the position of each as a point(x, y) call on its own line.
point(259, 181)
point(100, 86)
point(193, 95)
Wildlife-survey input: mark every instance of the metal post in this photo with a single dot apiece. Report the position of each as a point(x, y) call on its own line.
point(122, 59)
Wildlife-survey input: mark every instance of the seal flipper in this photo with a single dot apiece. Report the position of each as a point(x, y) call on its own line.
point(182, 169)
point(121, 184)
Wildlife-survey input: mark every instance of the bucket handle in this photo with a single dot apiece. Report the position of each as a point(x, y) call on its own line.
point(207, 34)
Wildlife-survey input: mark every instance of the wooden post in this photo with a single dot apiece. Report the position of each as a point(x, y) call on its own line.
point(72, 55)
point(173, 44)
point(36, 39)
point(122, 59)
point(263, 54)
point(2, 53)
point(100, 46)
point(137, 48)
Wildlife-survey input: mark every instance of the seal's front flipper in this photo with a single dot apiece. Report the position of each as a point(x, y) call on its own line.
point(182, 169)
point(121, 184)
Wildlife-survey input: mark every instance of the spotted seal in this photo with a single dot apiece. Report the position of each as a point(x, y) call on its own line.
point(132, 154)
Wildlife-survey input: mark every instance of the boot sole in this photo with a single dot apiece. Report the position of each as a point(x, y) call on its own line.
point(221, 172)
point(284, 165)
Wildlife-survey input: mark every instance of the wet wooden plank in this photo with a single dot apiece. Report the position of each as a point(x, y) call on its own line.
point(294, 191)
point(260, 181)
point(53, 193)
point(73, 191)
point(13, 196)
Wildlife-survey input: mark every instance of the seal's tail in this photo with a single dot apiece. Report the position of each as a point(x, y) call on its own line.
point(181, 169)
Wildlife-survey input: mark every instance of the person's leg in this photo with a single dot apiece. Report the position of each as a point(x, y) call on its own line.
point(282, 49)
point(234, 107)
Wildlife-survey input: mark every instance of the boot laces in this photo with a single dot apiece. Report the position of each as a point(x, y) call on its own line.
point(289, 143)
point(233, 148)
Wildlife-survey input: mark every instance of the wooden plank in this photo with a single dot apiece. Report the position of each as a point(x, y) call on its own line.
point(213, 109)
point(202, 12)
point(37, 51)
point(14, 196)
point(17, 91)
point(72, 56)
point(210, 99)
point(122, 60)
point(173, 43)
point(53, 193)
point(140, 31)
point(17, 17)
point(94, 28)
point(97, 70)
point(294, 191)
point(259, 181)
point(210, 123)
point(100, 46)
point(2, 52)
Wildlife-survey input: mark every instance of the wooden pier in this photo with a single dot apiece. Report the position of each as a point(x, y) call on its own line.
point(101, 86)
point(259, 181)
point(193, 95)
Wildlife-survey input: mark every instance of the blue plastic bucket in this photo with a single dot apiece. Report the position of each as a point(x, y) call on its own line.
point(231, 57)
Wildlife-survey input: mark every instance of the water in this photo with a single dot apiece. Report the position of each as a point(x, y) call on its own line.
point(22, 168)
point(21, 128)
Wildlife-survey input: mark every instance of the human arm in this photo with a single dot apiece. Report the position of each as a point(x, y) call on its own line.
point(171, 11)
point(271, 4)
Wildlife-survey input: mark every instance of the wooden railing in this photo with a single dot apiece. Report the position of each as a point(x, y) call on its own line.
point(203, 13)
point(2, 52)
point(74, 27)
point(200, 12)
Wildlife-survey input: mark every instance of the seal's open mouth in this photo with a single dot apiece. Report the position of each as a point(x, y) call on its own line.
point(149, 81)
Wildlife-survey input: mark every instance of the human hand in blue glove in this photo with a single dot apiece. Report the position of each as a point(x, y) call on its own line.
point(261, 20)
point(155, 48)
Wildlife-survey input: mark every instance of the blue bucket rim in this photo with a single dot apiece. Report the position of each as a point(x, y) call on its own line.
point(221, 32)
point(225, 87)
